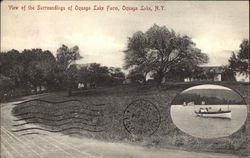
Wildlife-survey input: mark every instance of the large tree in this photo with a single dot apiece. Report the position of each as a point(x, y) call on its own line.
point(39, 67)
point(99, 75)
point(30, 68)
point(65, 58)
point(240, 62)
point(10, 66)
point(159, 50)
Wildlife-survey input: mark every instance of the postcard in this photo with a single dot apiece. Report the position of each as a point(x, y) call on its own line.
point(124, 79)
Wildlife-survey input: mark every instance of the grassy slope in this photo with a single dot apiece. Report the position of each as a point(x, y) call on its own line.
point(168, 135)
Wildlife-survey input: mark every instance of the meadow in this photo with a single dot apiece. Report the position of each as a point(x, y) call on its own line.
point(105, 111)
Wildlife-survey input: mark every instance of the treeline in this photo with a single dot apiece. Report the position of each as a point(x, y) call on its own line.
point(34, 70)
point(209, 100)
point(95, 75)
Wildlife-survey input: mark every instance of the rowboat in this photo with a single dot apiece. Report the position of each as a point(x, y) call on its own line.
point(214, 114)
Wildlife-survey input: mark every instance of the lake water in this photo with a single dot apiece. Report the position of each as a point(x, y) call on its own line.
point(187, 121)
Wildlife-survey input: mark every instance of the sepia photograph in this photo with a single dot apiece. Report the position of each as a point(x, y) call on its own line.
point(124, 79)
point(217, 110)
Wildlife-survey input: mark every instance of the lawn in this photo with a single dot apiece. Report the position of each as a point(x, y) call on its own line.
point(98, 113)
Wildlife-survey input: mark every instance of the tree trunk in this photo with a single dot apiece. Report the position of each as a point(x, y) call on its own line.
point(160, 77)
point(70, 91)
point(70, 87)
point(144, 79)
point(35, 88)
point(14, 91)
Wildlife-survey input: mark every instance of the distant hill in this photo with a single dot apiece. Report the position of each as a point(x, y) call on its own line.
point(210, 96)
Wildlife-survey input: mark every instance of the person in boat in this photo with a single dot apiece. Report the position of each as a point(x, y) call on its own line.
point(207, 109)
point(203, 110)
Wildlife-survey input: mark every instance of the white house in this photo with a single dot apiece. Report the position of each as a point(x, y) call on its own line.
point(241, 78)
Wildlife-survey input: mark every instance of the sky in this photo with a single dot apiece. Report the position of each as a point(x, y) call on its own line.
point(217, 28)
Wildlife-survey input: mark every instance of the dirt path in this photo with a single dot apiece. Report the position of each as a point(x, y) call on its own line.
point(55, 145)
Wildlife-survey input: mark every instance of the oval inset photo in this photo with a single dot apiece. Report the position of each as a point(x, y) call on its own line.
point(209, 111)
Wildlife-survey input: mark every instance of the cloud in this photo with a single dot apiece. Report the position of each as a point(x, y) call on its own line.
point(218, 58)
point(213, 44)
point(98, 47)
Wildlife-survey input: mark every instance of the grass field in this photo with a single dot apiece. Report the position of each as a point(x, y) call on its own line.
point(108, 118)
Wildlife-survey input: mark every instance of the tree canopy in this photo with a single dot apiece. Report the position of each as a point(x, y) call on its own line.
point(65, 57)
point(239, 62)
point(33, 68)
point(159, 50)
point(29, 69)
point(100, 75)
